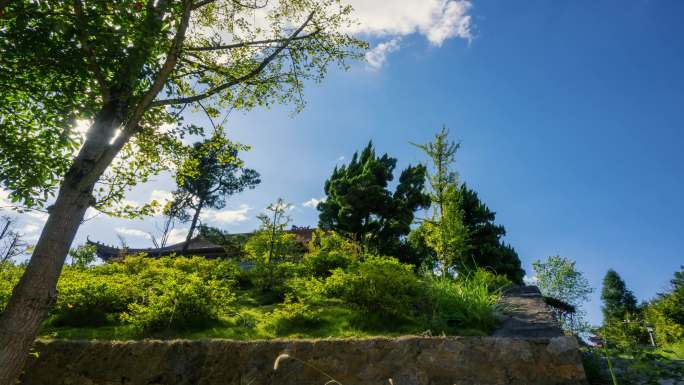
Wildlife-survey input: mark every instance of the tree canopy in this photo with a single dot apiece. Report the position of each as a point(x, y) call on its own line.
point(211, 175)
point(485, 248)
point(618, 300)
point(558, 277)
point(64, 62)
point(360, 206)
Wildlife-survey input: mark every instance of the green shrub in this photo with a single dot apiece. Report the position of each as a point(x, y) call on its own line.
point(306, 288)
point(272, 277)
point(151, 294)
point(9, 277)
point(85, 297)
point(292, 317)
point(383, 287)
point(322, 263)
point(178, 301)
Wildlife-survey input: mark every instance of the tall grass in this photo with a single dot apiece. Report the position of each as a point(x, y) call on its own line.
point(464, 305)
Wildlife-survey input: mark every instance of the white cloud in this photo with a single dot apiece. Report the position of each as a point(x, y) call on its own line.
point(161, 196)
point(313, 202)
point(341, 158)
point(227, 216)
point(377, 56)
point(530, 280)
point(132, 232)
point(177, 236)
point(437, 20)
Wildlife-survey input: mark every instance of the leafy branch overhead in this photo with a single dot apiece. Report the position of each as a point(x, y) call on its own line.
point(64, 62)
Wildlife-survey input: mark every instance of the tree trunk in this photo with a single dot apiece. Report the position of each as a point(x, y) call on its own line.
point(195, 218)
point(35, 293)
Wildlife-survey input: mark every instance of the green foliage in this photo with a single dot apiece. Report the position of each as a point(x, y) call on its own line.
point(446, 234)
point(92, 297)
point(444, 231)
point(292, 316)
point(485, 247)
point(211, 174)
point(149, 294)
point(618, 301)
point(382, 287)
point(557, 277)
point(233, 244)
point(360, 206)
point(466, 303)
point(9, 276)
point(177, 302)
point(328, 251)
point(272, 278)
point(83, 255)
point(666, 312)
point(64, 61)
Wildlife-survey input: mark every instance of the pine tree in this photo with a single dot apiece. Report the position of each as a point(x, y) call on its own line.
point(618, 301)
point(360, 206)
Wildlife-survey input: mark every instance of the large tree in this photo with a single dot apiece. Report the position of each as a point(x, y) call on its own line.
point(129, 69)
point(212, 174)
point(360, 206)
point(618, 300)
point(485, 248)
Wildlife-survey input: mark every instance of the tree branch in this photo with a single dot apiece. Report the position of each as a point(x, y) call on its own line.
point(131, 126)
point(249, 43)
point(88, 51)
point(255, 71)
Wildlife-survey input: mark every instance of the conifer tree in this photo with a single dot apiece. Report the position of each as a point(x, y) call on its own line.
point(618, 300)
point(360, 206)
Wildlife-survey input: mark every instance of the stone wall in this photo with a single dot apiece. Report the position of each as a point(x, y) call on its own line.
point(406, 360)
point(528, 349)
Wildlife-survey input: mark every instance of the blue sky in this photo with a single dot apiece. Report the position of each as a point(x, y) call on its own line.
point(570, 115)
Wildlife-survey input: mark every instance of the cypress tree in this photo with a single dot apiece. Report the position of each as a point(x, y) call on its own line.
point(618, 300)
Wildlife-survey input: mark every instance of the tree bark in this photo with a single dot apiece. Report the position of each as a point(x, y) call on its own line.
point(195, 218)
point(35, 293)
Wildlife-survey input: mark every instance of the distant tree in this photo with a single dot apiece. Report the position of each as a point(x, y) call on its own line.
point(557, 277)
point(233, 244)
point(674, 309)
point(360, 206)
point(212, 174)
point(83, 255)
point(271, 241)
point(618, 301)
point(12, 243)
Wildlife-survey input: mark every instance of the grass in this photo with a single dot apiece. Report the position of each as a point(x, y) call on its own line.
point(249, 321)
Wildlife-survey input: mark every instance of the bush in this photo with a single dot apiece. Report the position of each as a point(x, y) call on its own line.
point(9, 276)
point(151, 294)
point(178, 301)
point(291, 317)
point(383, 287)
point(322, 263)
point(272, 277)
point(86, 297)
